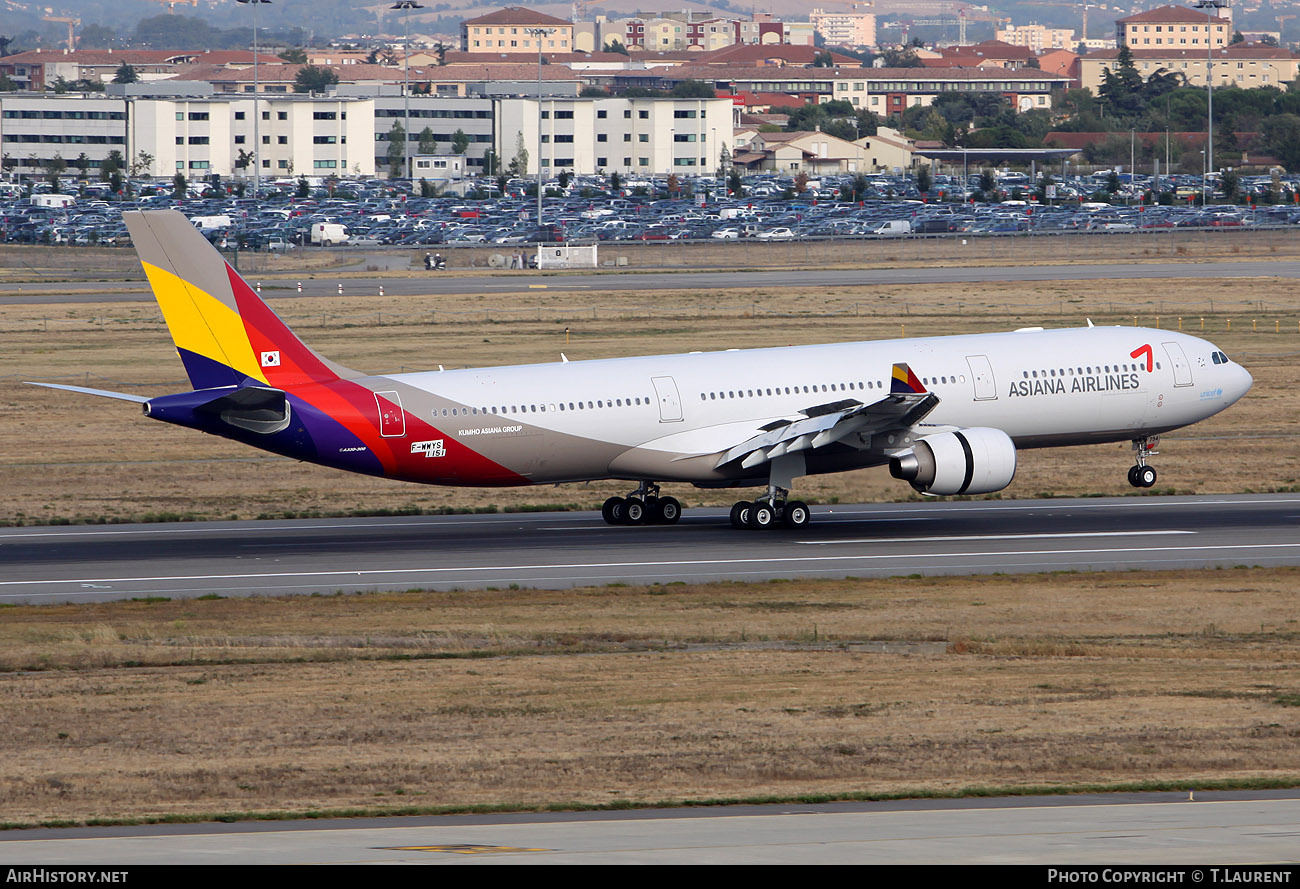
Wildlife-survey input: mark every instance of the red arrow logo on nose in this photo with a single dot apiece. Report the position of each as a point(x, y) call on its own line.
point(1143, 350)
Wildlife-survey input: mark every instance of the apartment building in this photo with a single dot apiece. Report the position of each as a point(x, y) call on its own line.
point(1174, 27)
point(628, 136)
point(1245, 65)
point(1037, 37)
point(506, 31)
point(845, 28)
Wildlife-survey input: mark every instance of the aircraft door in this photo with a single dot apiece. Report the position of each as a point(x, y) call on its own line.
point(392, 419)
point(986, 388)
point(1182, 370)
point(670, 403)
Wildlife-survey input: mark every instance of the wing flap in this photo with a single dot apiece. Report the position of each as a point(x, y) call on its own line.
point(824, 425)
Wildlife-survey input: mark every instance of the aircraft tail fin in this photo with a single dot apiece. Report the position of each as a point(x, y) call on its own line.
point(905, 382)
point(224, 332)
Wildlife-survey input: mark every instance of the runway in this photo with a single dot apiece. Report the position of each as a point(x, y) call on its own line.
point(1194, 835)
point(558, 550)
point(321, 283)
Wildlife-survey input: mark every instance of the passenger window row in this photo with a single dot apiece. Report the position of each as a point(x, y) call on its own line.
point(1084, 371)
point(599, 404)
point(788, 390)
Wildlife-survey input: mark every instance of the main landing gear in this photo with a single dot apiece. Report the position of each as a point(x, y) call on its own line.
point(1142, 475)
point(770, 510)
point(643, 506)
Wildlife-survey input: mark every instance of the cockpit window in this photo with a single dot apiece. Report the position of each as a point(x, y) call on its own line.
point(1219, 358)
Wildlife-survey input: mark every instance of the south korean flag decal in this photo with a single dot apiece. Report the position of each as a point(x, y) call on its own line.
point(271, 359)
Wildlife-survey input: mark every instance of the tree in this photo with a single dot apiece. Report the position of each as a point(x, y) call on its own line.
point(83, 165)
point(693, 89)
point(94, 36)
point(1281, 138)
point(295, 55)
point(396, 150)
point(519, 163)
point(923, 179)
point(126, 74)
point(243, 160)
point(1229, 182)
point(901, 58)
point(428, 143)
point(313, 79)
point(143, 161)
point(304, 187)
point(735, 185)
point(615, 181)
point(614, 45)
point(459, 142)
point(113, 163)
point(54, 168)
point(179, 186)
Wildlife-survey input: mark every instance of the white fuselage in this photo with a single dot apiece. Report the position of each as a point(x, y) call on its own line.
point(663, 417)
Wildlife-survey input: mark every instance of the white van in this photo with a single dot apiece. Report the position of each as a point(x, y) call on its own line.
point(210, 223)
point(327, 234)
point(892, 227)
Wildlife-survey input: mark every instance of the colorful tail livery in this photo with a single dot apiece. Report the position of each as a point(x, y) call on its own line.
point(712, 419)
point(225, 334)
point(255, 381)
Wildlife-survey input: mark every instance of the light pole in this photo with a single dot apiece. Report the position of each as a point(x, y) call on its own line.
point(539, 34)
point(1211, 8)
point(407, 5)
point(257, 117)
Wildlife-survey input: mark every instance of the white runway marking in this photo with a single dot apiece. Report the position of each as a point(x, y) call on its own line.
point(575, 566)
point(993, 537)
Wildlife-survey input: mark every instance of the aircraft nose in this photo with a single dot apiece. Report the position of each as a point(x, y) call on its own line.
point(1240, 382)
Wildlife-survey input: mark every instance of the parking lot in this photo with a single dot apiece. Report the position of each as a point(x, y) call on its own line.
point(299, 214)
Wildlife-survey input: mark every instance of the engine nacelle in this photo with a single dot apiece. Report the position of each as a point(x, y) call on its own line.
point(969, 461)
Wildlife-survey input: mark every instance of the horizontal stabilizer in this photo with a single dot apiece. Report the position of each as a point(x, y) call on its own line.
point(103, 393)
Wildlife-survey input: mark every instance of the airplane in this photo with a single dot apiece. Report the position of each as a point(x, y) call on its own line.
point(735, 418)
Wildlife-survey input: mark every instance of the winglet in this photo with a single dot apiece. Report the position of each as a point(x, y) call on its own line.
point(905, 382)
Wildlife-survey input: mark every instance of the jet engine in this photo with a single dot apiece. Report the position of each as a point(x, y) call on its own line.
point(969, 461)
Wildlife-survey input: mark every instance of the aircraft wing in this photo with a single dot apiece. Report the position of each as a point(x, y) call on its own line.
point(905, 406)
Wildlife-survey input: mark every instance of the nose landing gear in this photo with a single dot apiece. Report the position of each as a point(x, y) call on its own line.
point(1142, 475)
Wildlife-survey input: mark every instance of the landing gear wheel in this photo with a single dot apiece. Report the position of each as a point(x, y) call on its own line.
point(761, 516)
point(612, 511)
point(634, 512)
point(796, 514)
point(740, 514)
point(1145, 476)
point(667, 510)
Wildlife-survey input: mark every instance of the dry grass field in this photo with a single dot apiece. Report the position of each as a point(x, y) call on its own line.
point(621, 695)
